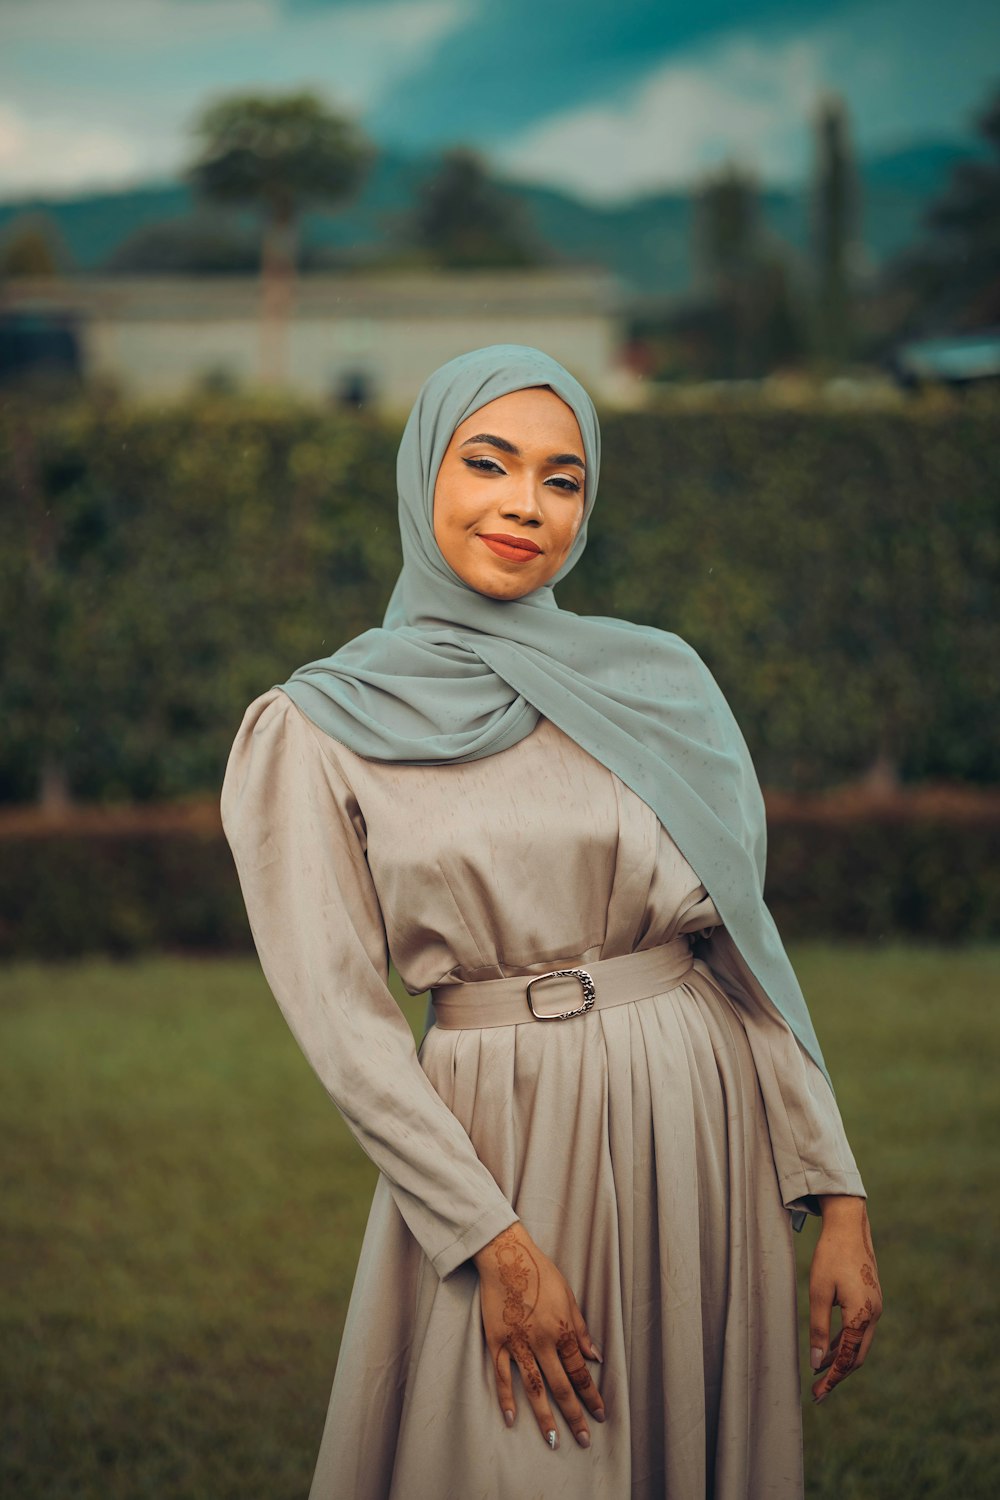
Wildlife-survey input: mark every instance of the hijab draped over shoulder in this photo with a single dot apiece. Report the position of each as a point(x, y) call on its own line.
point(454, 675)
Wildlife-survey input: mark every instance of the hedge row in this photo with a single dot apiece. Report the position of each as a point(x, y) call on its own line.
point(162, 565)
point(65, 894)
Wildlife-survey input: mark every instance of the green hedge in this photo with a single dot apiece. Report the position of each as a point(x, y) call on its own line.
point(62, 895)
point(162, 565)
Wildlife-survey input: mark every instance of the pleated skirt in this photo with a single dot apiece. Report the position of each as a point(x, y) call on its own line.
point(632, 1142)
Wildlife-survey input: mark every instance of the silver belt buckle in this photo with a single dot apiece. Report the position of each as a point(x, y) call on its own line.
point(586, 982)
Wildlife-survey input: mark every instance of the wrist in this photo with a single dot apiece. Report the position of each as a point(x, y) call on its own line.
point(841, 1208)
point(515, 1234)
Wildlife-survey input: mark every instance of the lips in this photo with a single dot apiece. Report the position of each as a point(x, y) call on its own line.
point(513, 548)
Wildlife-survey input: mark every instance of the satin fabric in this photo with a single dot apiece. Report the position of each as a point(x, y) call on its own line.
point(453, 675)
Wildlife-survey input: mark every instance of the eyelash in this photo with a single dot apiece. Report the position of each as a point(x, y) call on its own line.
point(489, 466)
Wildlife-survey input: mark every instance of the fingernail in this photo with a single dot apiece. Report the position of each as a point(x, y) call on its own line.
point(598, 1416)
point(508, 1417)
point(821, 1397)
point(550, 1437)
point(583, 1438)
point(815, 1357)
point(596, 1352)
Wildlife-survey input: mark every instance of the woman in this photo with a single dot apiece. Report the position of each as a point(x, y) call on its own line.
point(582, 1229)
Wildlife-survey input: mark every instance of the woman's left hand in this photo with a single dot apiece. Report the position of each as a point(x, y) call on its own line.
point(843, 1273)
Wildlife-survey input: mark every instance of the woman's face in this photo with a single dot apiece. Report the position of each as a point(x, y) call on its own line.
point(514, 470)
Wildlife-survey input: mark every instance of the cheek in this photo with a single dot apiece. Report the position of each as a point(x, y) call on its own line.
point(573, 530)
point(452, 509)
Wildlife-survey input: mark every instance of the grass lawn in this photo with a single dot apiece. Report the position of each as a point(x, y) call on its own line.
point(183, 1209)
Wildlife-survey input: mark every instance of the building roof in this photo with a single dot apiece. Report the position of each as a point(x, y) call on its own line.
point(369, 295)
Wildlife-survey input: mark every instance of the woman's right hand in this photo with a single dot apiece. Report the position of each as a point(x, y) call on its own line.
point(531, 1316)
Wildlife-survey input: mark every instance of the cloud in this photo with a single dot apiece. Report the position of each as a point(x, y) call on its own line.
point(608, 97)
point(517, 63)
point(905, 69)
point(740, 100)
point(106, 92)
point(62, 154)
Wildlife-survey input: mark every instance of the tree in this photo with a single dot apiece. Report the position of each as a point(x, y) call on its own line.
point(835, 213)
point(279, 154)
point(464, 220)
point(727, 225)
point(951, 281)
point(743, 315)
point(192, 244)
point(33, 246)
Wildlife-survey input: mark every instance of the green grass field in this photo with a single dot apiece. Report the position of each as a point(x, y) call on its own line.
point(183, 1209)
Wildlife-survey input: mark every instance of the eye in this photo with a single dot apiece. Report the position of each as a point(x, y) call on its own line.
point(564, 483)
point(484, 465)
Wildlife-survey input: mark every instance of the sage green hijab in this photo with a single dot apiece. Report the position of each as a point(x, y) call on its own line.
point(454, 675)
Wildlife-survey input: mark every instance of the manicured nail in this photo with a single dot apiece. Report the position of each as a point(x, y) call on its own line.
point(550, 1437)
point(815, 1358)
point(596, 1352)
point(598, 1416)
point(508, 1417)
point(583, 1438)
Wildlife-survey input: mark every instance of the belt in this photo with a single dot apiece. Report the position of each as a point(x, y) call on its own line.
point(562, 993)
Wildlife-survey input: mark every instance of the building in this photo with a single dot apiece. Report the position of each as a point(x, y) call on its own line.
point(363, 339)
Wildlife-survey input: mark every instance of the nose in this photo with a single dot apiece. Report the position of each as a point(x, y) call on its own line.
point(522, 503)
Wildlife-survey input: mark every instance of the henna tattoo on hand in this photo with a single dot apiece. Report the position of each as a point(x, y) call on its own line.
point(849, 1343)
point(569, 1351)
point(515, 1267)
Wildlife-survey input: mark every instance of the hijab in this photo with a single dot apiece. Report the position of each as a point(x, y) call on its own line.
point(454, 675)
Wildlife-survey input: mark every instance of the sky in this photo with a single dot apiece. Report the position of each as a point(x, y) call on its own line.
point(605, 98)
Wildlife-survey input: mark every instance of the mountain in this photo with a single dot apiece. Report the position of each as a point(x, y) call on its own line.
point(645, 242)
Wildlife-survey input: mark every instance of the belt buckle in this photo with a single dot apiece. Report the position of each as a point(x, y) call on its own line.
point(586, 982)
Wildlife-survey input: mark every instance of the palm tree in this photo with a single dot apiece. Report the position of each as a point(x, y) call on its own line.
point(278, 154)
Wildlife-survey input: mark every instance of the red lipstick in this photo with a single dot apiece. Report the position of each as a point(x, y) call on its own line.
point(513, 548)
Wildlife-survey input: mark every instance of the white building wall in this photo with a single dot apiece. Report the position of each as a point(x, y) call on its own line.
point(158, 337)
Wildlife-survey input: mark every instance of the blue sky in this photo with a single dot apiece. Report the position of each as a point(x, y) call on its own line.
point(605, 97)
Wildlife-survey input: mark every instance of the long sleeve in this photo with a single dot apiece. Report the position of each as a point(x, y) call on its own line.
point(297, 836)
point(811, 1151)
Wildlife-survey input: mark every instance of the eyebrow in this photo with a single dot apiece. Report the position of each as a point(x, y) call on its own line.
point(506, 447)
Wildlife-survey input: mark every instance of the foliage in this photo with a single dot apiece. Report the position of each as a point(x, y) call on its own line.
point(743, 318)
point(164, 565)
point(835, 213)
point(464, 220)
point(202, 243)
point(167, 565)
point(280, 155)
point(127, 891)
point(281, 152)
point(950, 282)
point(835, 570)
point(32, 244)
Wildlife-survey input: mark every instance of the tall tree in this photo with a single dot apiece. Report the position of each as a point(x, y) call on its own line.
point(280, 154)
point(951, 281)
point(835, 227)
point(727, 224)
point(462, 219)
point(744, 315)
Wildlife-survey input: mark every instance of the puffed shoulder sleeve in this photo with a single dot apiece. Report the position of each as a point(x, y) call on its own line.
point(808, 1140)
point(298, 840)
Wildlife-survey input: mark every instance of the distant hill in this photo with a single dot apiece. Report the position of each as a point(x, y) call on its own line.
point(646, 242)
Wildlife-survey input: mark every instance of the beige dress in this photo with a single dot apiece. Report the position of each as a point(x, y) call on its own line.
point(654, 1150)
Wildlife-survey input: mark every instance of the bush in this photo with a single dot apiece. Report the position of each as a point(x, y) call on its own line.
point(166, 881)
point(162, 566)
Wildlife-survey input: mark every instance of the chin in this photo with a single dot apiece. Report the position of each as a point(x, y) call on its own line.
point(494, 589)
